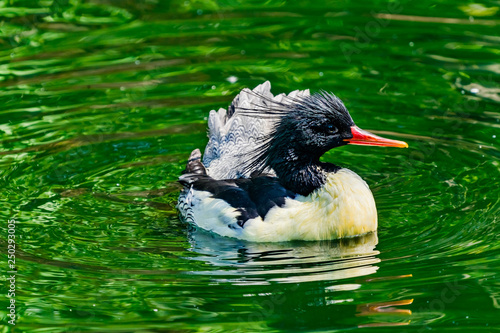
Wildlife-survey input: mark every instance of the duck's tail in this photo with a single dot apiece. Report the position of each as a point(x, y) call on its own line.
point(194, 169)
point(234, 135)
point(194, 164)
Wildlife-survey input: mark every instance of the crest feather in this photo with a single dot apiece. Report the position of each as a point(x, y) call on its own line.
point(234, 134)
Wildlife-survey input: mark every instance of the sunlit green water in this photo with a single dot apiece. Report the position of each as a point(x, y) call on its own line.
point(102, 102)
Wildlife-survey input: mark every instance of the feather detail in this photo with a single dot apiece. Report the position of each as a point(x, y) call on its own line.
point(280, 146)
point(235, 133)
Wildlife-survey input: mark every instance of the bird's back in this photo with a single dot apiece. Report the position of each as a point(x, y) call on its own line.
point(233, 136)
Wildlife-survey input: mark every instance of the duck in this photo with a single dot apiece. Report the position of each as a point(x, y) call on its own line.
point(260, 178)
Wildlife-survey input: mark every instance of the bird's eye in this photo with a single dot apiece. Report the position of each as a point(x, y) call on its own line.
point(331, 129)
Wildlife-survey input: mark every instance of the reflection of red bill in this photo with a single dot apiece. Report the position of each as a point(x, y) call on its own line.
point(384, 307)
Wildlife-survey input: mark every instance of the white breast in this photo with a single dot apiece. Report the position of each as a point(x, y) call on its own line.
point(343, 207)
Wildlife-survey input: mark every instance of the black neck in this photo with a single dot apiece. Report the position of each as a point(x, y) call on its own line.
point(304, 178)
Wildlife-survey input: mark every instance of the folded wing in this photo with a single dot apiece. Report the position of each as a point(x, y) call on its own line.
point(233, 136)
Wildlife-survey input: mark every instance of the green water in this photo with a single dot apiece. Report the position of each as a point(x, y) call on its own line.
point(102, 102)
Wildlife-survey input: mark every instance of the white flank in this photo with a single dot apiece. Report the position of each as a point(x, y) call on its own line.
point(200, 208)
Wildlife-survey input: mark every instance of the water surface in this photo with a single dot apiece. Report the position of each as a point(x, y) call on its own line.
point(102, 102)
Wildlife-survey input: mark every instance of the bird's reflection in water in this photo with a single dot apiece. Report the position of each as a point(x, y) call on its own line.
point(300, 283)
point(288, 262)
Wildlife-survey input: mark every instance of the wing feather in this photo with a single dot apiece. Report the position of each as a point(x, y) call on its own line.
point(235, 133)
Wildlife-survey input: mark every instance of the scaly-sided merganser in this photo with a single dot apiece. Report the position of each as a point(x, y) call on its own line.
point(261, 178)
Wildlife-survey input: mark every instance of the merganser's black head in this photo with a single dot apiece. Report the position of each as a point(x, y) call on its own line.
point(306, 128)
point(312, 126)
